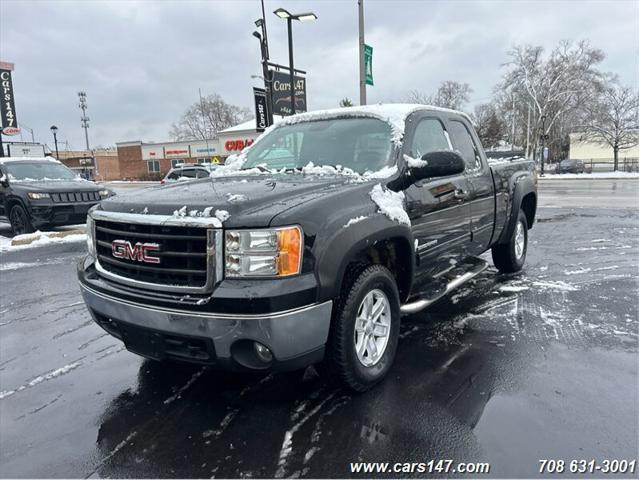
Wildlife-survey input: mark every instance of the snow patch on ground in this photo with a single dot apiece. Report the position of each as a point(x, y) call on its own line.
point(555, 285)
point(45, 239)
point(588, 176)
point(390, 204)
point(513, 288)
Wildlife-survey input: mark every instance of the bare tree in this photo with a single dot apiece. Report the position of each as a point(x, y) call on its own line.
point(490, 128)
point(204, 119)
point(613, 118)
point(450, 94)
point(554, 87)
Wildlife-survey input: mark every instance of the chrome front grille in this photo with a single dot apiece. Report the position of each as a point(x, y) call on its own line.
point(188, 252)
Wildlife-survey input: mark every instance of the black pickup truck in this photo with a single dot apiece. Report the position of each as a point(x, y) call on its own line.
point(309, 246)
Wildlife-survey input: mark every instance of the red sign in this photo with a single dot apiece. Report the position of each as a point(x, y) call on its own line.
point(10, 131)
point(177, 152)
point(237, 145)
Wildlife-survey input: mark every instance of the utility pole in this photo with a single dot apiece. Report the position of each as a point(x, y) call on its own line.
point(85, 124)
point(362, 72)
point(528, 133)
point(542, 138)
point(206, 132)
point(512, 134)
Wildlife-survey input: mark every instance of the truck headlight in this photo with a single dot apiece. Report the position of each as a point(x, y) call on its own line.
point(275, 252)
point(105, 193)
point(37, 195)
point(90, 236)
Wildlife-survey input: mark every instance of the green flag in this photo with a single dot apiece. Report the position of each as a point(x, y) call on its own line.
point(368, 64)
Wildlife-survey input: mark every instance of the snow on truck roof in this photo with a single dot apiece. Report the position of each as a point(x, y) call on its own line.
point(28, 159)
point(393, 113)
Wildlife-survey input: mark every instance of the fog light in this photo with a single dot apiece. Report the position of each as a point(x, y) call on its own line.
point(263, 353)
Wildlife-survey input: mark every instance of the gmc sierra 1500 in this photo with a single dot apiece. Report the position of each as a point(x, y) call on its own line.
point(309, 246)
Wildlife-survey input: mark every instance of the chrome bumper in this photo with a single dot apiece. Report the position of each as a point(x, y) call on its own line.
point(289, 334)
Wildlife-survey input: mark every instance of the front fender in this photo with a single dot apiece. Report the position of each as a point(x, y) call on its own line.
point(338, 247)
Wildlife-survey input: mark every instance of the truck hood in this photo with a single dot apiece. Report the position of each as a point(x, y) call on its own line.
point(56, 185)
point(251, 201)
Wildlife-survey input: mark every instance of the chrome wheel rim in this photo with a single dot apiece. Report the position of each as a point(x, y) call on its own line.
point(520, 240)
point(372, 328)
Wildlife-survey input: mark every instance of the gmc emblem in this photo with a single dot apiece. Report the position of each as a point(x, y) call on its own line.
point(140, 252)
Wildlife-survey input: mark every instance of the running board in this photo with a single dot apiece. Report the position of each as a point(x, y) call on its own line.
point(418, 305)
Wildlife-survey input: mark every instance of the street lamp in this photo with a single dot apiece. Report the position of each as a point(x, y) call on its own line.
point(54, 130)
point(289, 17)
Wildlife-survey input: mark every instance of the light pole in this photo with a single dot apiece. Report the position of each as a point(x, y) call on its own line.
point(543, 137)
point(289, 17)
point(54, 130)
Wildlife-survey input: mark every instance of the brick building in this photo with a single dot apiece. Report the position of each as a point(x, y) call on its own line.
point(84, 162)
point(139, 160)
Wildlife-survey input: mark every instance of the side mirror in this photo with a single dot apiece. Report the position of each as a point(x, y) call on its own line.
point(436, 164)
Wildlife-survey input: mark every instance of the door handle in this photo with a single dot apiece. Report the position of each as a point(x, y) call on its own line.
point(460, 194)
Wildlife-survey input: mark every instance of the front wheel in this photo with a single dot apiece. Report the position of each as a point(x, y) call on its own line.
point(364, 330)
point(20, 221)
point(510, 257)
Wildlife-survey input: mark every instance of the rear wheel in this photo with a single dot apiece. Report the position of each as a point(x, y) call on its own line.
point(20, 221)
point(365, 330)
point(510, 257)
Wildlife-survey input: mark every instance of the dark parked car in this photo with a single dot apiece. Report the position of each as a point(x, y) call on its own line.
point(570, 166)
point(37, 193)
point(309, 246)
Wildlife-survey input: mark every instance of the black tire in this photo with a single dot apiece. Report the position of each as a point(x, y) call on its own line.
point(341, 361)
point(505, 256)
point(20, 221)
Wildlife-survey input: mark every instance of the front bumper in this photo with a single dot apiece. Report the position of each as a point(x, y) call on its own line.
point(59, 214)
point(295, 337)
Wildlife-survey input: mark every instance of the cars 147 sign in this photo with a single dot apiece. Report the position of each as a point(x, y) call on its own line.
point(7, 107)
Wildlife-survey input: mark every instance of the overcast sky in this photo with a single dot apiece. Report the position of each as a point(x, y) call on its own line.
point(141, 63)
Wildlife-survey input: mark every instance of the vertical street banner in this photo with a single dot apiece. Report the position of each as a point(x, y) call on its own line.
point(9, 121)
point(368, 64)
point(261, 115)
point(282, 93)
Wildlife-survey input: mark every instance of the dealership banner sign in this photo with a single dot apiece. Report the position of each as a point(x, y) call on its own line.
point(261, 115)
point(8, 107)
point(282, 93)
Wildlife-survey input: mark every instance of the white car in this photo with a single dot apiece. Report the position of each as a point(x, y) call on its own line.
point(187, 172)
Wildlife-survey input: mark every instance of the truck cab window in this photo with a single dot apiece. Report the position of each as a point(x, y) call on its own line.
point(429, 137)
point(464, 144)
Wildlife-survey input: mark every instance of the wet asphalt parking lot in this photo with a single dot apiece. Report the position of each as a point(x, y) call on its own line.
point(507, 370)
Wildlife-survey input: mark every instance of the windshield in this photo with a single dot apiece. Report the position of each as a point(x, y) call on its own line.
point(361, 144)
point(33, 171)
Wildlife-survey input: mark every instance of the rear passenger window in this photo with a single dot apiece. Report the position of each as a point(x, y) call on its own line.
point(188, 172)
point(429, 137)
point(463, 143)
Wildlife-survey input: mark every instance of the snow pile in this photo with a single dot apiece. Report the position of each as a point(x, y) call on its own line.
point(181, 212)
point(40, 239)
point(390, 203)
point(415, 162)
point(587, 176)
point(321, 170)
point(355, 220)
